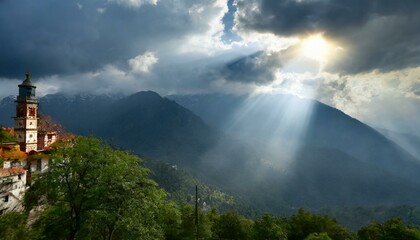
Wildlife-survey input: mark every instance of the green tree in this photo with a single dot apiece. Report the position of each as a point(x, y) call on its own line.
point(12, 226)
point(269, 227)
point(393, 229)
point(231, 225)
point(318, 236)
point(100, 193)
point(170, 219)
point(188, 226)
point(304, 223)
point(374, 231)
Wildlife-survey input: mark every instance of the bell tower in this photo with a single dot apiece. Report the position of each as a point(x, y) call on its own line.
point(26, 120)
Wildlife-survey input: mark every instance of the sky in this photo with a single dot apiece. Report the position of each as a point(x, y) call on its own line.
point(360, 56)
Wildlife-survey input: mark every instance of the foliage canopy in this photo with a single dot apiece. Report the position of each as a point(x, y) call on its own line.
point(92, 191)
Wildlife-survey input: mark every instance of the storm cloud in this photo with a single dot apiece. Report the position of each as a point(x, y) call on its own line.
point(66, 37)
point(259, 67)
point(377, 34)
point(230, 46)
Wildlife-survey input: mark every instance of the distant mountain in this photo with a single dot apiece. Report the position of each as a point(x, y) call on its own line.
point(409, 142)
point(322, 177)
point(324, 157)
point(279, 151)
point(7, 111)
point(215, 109)
point(278, 123)
point(330, 128)
point(144, 122)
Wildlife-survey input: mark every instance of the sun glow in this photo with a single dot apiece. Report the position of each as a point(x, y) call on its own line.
point(316, 47)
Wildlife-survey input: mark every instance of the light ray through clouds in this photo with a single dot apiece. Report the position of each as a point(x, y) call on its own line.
point(273, 123)
point(194, 39)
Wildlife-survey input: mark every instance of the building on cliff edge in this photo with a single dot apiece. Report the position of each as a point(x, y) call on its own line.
point(26, 156)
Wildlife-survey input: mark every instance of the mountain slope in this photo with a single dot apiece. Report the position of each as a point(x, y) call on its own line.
point(280, 152)
point(324, 177)
point(409, 142)
point(156, 127)
point(330, 128)
point(144, 122)
point(278, 120)
point(7, 111)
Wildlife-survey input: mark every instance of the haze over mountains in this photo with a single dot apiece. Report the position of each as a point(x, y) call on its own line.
point(279, 151)
point(409, 142)
point(349, 161)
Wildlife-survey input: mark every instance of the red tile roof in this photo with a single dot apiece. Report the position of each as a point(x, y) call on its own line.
point(4, 172)
point(12, 151)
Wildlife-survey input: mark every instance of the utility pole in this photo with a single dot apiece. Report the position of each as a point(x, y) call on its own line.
point(196, 212)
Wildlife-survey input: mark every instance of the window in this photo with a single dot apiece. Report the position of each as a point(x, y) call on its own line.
point(20, 176)
point(6, 198)
point(32, 111)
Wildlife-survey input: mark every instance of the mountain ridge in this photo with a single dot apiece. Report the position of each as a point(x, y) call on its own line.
point(244, 159)
point(326, 127)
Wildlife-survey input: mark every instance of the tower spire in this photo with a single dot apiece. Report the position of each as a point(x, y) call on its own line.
point(28, 76)
point(26, 120)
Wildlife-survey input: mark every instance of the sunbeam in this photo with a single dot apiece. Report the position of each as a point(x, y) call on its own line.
point(274, 124)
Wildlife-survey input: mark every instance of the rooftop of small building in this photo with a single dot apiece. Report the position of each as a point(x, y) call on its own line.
point(6, 172)
point(8, 145)
point(11, 151)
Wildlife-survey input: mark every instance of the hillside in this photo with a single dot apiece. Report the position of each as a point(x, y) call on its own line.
point(287, 123)
point(301, 153)
point(180, 186)
point(409, 142)
point(8, 110)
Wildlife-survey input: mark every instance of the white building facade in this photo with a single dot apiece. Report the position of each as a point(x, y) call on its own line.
point(12, 189)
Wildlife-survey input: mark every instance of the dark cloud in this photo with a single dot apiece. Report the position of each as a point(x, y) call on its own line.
point(293, 17)
point(63, 37)
point(378, 34)
point(259, 67)
point(386, 44)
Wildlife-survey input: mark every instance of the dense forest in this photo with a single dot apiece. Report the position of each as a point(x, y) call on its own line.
point(93, 191)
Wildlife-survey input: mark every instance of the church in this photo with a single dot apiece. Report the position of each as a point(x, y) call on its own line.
point(26, 120)
point(24, 157)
